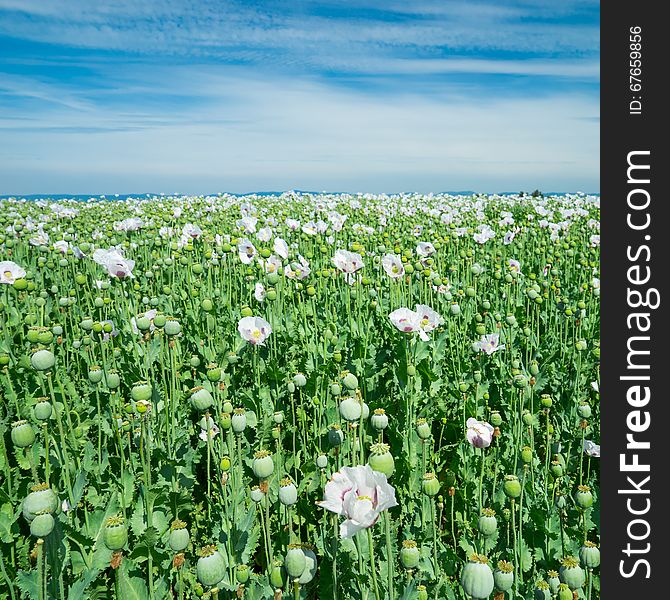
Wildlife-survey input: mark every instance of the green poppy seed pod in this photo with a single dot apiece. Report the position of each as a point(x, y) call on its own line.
point(337, 357)
point(423, 429)
point(45, 337)
point(290, 386)
point(277, 575)
point(503, 576)
point(542, 591)
point(143, 323)
point(583, 497)
point(480, 329)
point(4, 359)
point(351, 409)
point(477, 578)
point(411, 370)
point(520, 381)
point(141, 391)
point(42, 410)
point(556, 469)
point(160, 321)
point(584, 410)
point(409, 555)
point(295, 562)
point(211, 566)
point(309, 571)
point(350, 381)
point(43, 360)
point(113, 380)
point(42, 525)
point(430, 484)
point(40, 499)
point(527, 455)
point(589, 555)
point(299, 380)
point(33, 335)
point(487, 524)
point(564, 592)
point(228, 407)
point(214, 373)
point(534, 368)
point(23, 435)
point(553, 581)
point(207, 305)
point(381, 459)
point(335, 389)
point(477, 376)
point(262, 465)
point(278, 417)
point(571, 573)
point(288, 493)
point(421, 592)
point(455, 309)
point(379, 419)
point(256, 494)
point(242, 574)
point(239, 420)
point(495, 419)
point(246, 311)
point(95, 375)
point(201, 399)
point(322, 461)
point(225, 421)
point(512, 486)
point(172, 326)
point(546, 401)
point(581, 345)
point(179, 536)
point(527, 418)
point(115, 534)
point(335, 435)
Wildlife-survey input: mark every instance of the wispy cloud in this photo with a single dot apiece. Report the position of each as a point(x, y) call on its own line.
point(124, 96)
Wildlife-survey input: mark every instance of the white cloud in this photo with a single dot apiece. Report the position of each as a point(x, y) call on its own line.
point(281, 133)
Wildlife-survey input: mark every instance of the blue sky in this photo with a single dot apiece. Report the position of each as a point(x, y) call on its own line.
point(118, 96)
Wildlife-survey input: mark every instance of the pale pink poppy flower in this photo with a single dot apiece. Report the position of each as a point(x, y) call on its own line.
point(281, 248)
point(246, 250)
point(489, 343)
point(10, 272)
point(264, 234)
point(405, 320)
point(254, 330)
point(259, 292)
point(114, 262)
point(393, 266)
point(425, 249)
point(61, 246)
point(360, 494)
point(298, 270)
point(348, 262)
point(204, 434)
point(591, 449)
point(479, 433)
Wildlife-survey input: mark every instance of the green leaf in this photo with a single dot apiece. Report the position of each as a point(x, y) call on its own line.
point(131, 587)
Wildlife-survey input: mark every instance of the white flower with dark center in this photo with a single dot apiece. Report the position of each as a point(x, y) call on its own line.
point(489, 343)
point(246, 251)
point(348, 262)
point(254, 330)
point(359, 494)
point(393, 266)
point(116, 264)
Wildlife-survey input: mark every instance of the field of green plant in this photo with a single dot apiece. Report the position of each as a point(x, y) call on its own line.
point(300, 396)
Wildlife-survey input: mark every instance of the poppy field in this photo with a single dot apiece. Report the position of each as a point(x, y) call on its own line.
point(333, 396)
